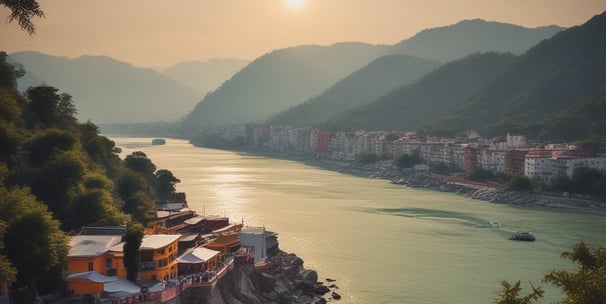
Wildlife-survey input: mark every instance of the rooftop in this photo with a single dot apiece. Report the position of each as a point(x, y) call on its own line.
point(157, 241)
point(197, 255)
point(91, 245)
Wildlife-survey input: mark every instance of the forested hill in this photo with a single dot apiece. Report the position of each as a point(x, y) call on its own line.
point(279, 80)
point(560, 76)
point(57, 175)
point(455, 41)
point(363, 86)
point(109, 91)
point(412, 106)
point(283, 79)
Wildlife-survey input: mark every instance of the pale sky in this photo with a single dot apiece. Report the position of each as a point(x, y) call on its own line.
point(157, 33)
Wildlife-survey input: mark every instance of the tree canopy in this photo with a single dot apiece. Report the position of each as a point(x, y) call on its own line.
point(23, 11)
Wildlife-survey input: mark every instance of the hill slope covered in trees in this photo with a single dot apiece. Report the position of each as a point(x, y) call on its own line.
point(57, 175)
point(412, 106)
point(364, 85)
point(552, 78)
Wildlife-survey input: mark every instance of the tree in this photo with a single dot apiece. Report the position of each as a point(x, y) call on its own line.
point(481, 175)
point(510, 294)
point(132, 238)
point(588, 284)
point(141, 206)
point(33, 241)
point(519, 183)
point(23, 11)
point(584, 178)
point(408, 161)
point(166, 184)
point(139, 162)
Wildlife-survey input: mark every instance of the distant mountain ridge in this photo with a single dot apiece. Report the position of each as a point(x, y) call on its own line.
point(412, 106)
point(364, 85)
point(549, 80)
point(466, 37)
point(205, 76)
point(283, 79)
point(278, 80)
point(106, 90)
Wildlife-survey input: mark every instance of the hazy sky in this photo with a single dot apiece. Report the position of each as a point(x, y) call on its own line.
point(155, 33)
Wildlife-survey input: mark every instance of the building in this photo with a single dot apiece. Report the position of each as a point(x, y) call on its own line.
point(198, 260)
point(515, 161)
point(92, 262)
point(94, 253)
point(158, 257)
point(259, 240)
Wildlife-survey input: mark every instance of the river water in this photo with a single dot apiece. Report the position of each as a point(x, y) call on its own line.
point(383, 243)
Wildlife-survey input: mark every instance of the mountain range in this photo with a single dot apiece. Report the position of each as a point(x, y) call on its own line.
point(106, 90)
point(543, 90)
point(204, 76)
point(364, 85)
point(282, 79)
point(412, 106)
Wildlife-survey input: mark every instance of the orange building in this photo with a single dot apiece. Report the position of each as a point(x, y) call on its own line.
point(93, 253)
point(91, 258)
point(158, 257)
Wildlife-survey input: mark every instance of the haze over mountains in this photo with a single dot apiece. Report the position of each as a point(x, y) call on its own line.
point(109, 91)
point(308, 83)
point(412, 106)
point(205, 76)
point(285, 78)
point(381, 75)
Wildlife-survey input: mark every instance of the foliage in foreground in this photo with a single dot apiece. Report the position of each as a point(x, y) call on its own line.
point(585, 285)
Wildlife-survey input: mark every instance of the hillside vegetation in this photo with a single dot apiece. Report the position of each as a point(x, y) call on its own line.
point(364, 85)
point(412, 106)
point(552, 83)
point(57, 175)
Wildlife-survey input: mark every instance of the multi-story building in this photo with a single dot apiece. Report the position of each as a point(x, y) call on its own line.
point(157, 257)
point(515, 161)
point(539, 165)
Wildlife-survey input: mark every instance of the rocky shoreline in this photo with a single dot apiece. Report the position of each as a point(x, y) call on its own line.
point(411, 178)
point(425, 180)
point(283, 280)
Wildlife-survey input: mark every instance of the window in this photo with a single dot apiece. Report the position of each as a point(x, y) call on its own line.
point(108, 263)
point(90, 266)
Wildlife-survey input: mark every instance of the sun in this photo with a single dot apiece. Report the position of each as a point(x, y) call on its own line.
point(295, 4)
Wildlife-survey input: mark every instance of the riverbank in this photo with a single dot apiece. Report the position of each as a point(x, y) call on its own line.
point(433, 182)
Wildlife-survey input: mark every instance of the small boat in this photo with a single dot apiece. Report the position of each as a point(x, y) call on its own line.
point(522, 236)
point(158, 141)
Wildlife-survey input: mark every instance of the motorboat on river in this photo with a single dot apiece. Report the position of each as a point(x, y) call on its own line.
point(522, 236)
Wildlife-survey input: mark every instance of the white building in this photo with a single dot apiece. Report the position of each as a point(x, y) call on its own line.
point(259, 239)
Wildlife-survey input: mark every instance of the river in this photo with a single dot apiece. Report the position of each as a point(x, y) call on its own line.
point(383, 243)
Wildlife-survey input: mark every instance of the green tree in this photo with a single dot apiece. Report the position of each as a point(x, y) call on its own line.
point(132, 242)
point(519, 183)
point(407, 161)
point(562, 183)
point(510, 294)
point(139, 162)
point(584, 178)
point(587, 285)
point(33, 241)
point(166, 184)
point(481, 175)
point(23, 11)
point(141, 206)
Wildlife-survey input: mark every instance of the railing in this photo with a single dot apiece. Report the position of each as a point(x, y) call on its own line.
point(163, 296)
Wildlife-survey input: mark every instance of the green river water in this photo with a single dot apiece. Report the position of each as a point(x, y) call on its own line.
point(383, 243)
